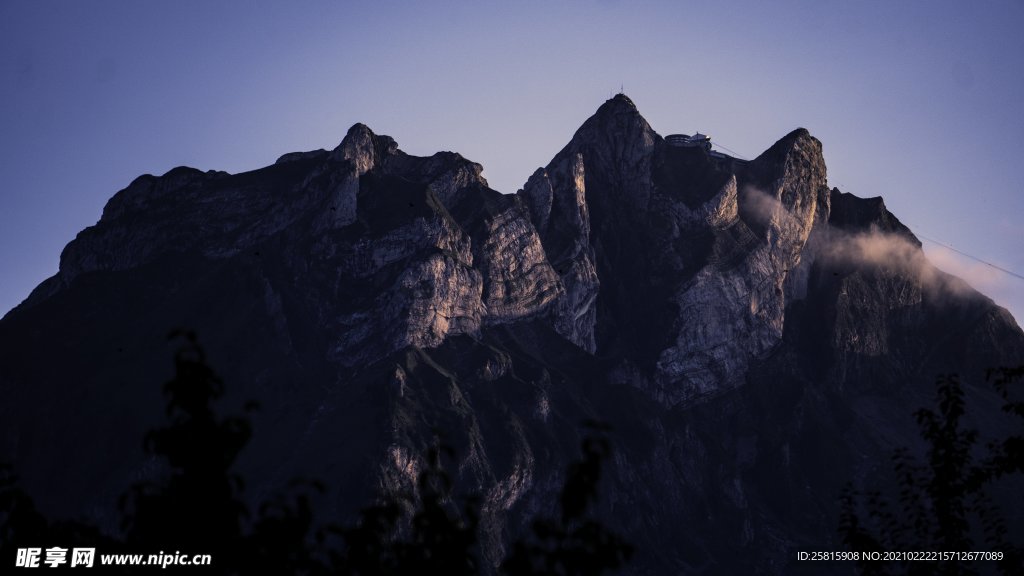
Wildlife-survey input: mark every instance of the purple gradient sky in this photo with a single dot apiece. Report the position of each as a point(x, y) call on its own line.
point(919, 102)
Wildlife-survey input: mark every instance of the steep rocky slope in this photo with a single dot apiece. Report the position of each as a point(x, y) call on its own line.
point(755, 338)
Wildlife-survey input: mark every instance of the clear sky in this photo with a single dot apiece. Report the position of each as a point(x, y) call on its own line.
point(919, 102)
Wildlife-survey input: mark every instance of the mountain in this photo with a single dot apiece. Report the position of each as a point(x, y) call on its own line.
point(755, 338)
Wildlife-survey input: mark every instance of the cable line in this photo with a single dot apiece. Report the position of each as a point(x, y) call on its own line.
point(922, 236)
point(733, 152)
point(975, 258)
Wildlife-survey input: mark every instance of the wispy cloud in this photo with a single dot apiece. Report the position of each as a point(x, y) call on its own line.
point(939, 270)
point(983, 277)
point(896, 252)
point(1005, 289)
point(765, 208)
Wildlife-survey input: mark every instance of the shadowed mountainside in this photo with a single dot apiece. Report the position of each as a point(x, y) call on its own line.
point(755, 338)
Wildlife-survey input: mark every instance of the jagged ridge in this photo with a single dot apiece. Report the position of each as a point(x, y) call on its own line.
point(719, 313)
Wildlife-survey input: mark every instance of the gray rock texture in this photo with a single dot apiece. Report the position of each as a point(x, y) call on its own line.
point(755, 338)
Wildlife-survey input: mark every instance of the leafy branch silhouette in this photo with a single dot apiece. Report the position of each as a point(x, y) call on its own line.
point(943, 503)
point(197, 505)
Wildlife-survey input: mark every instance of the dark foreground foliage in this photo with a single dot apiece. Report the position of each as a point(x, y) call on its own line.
point(944, 503)
point(573, 543)
point(198, 506)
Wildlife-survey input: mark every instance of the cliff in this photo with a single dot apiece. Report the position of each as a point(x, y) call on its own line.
point(755, 337)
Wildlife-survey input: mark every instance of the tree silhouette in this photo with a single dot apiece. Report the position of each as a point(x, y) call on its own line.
point(23, 526)
point(575, 543)
point(199, 504)
point(196, 505)
point(943, 503)
point(441, 537)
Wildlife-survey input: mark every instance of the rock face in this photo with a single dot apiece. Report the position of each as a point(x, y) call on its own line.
point(697, 249)
point(754, 337)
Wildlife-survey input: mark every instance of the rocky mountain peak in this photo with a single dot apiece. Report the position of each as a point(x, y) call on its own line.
point(795, 157)
point(147, 191)
point(619, 103)
point(364, 148)
point(618, 127)
point(752, 335)
point(855, 214)
point(795, 140)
